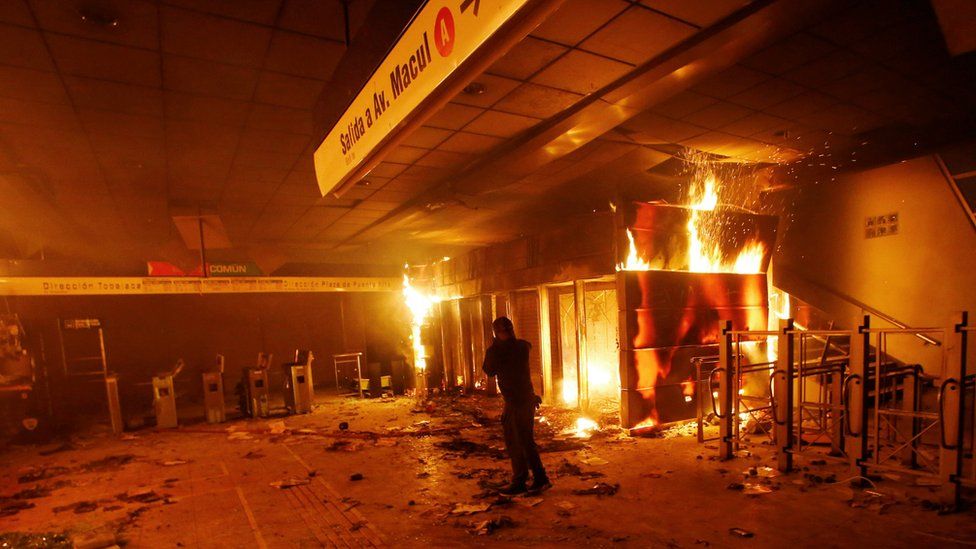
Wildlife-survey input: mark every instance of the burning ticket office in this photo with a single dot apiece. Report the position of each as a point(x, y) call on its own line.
point(686, 269)
point(616, 304)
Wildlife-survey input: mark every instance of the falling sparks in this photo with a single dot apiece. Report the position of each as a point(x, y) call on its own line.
point(704, 250)
point(706, 234)
point(420, 306)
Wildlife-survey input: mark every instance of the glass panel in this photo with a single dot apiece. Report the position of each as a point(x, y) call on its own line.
point(602, 350)
point(567, 349)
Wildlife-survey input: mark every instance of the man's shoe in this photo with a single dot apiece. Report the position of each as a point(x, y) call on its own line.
point(513, 490)
point(538, 486)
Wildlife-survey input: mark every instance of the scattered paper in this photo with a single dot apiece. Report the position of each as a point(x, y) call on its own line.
point(470, 509)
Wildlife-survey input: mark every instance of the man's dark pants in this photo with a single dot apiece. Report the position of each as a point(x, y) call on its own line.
point(517, 422)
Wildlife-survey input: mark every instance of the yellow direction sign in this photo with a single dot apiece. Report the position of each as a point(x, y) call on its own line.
point(440, 37)
point(184, 285)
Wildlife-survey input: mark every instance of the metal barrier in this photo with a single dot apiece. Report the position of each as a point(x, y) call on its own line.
point(803, 417)
point(863, 404)
point(890, 432)
point(744, 406)
point(731, 404)
point(952, 404)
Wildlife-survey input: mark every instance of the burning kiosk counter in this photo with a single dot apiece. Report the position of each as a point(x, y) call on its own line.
point(687, 268)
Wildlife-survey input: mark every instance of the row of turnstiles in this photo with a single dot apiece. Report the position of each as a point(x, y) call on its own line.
point(253, 389)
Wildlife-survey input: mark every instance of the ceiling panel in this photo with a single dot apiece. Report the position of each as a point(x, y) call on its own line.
point(465, 142)
point(208, 78)
point(257, 11)
point(16, 12)
point(453, 116)
point(195, 34)
point(637, 35)
point(81, 57)
point(288, 91)
point(322, 18)
point(31, 85)
point(566, 26)
point(535, 100)
point(201, 108)
point(697, 12)
point(427, 137)
point(500, 124)
point(527, 58)
point(492, 89)
point(113, 96)
point(24, 48)
point(274, 117)
point(581, 72)
point(303, 55)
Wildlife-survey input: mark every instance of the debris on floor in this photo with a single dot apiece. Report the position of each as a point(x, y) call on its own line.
point(739, 532)
point(467, 448)
point(488, 527)
point(470, 508)
point(47, 540)
point(598, 489)
point(94, 540)
point(529, 502)
point(140, 495)
point(78, 507)
point(11, 508)
point(290, 483)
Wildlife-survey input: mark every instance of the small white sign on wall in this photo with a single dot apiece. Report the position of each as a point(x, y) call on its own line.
point(877, 226)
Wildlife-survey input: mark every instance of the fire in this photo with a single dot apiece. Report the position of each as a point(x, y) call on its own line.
point(634, 261)
point(688, 389)
point(648, 423)
point(704, 252)
point(569, 393)
point(420, 306)
point(585, 427)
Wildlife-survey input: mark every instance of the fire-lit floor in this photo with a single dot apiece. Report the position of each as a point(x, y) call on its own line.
point(218, 486)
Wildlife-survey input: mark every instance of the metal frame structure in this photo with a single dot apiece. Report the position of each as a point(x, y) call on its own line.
point(345, 359)
point(866, 406)
point(111, 381)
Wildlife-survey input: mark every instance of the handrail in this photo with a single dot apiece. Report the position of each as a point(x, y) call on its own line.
point(864, 307)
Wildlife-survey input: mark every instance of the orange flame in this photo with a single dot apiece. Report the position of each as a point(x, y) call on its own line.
point(704, 253)
point(634, 261)
point(420, 306)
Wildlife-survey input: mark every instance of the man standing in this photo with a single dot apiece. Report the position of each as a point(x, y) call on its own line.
point(508, 358)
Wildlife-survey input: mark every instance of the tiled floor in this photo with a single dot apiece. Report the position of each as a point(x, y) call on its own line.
point(217, 488)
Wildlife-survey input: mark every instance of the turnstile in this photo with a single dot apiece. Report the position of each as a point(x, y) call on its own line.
point(164, 402)
point(213, 393)
point(298, 387)
point(255, 399)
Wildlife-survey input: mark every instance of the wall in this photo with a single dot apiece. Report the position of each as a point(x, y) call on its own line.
point(920, 276)
point(147, 334)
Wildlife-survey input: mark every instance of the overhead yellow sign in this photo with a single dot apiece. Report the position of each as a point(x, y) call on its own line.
point(439, 38)
point(180, 285)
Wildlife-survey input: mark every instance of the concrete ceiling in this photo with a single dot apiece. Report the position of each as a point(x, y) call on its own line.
point(106, 132)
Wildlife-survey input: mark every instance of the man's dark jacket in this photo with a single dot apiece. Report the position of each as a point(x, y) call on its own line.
point(509, 360)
